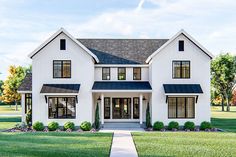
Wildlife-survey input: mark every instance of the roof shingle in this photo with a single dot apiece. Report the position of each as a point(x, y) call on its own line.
point(26, 84)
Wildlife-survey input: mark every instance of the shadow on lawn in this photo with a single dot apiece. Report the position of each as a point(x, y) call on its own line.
point(10, 119)
point(224, 123)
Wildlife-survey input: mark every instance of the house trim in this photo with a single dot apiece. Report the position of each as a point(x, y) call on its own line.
point(121, 65)
point(122, 91)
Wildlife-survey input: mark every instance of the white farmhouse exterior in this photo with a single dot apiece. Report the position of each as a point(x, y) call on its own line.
point(71, 76)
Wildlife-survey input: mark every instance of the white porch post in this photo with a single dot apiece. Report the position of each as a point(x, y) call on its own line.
point(23, 107)
point(141, 108)
point(102, 108)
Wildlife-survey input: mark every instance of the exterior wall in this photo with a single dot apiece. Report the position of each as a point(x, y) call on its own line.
point(161, 72)
point(82, 72)
point(114, 74)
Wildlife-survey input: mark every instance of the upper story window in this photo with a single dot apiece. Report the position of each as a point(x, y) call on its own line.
point(62, 44)
point(181, 45)
point(61, 69)
point(121, 73)
point(105, 73)
point(137, 73)
point(181, 69)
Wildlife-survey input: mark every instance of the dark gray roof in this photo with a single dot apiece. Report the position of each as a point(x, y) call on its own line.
point(182, 88)
point(123, 51)
point(121, 85)
point(60, 88)
point(26, 84)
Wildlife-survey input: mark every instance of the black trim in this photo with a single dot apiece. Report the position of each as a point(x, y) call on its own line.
point(61, 68)
point(121, 73)
point(138, 107)
point(140, 73)
point(62, 44)
point(185, 104)
point(103, 77)
point(181, 62)
point(109, 100)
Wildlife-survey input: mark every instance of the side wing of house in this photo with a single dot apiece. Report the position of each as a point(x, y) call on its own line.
point(180, 79)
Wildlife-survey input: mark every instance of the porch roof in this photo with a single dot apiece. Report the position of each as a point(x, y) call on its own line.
point(122, 85)
point(60, 88)
point(182, 88)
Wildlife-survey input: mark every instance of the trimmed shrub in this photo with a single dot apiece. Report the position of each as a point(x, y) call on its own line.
point(173, 125)
point(205, 125)
point(86, 126)
point(52, 126)
point(189, 125)
point(38, 126)
point(97, 119)
point(69, 125)
point(148, 117)
point(158, 126)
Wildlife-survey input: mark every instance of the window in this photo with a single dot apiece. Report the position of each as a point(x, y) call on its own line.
point(181, 45)
point(63, 44)
point(105, 73)
point(181, 69)
point(107, 108)
point(137, 73)
point(61, 69)
point(28, 102)
point(121, 73)
point(136, 108)
point(181, 107)
point(61, 107)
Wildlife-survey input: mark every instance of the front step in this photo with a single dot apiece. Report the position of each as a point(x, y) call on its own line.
point(108, 125)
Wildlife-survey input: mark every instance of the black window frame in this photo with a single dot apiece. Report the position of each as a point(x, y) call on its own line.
point(181, 45)
point(60, 107)
point(140, 73)
point(109, 100)
point(118, 74)
point(62, 44)
point(103, 77)
point(138, 107)
point(185, 104)
point(181, 70)
point(28, 98)
point(61, 77)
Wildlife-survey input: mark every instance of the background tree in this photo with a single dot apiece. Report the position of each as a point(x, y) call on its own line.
point(11, 84)
point(223, 70)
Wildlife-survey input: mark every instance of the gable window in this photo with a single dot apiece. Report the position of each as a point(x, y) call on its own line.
point(181, 69)
point(121, 73)
point(61, 69)
point(62, 44)
point(137, 73)
point(105, 73)
point(181, 107)
point(181, 45)
point(61, 107)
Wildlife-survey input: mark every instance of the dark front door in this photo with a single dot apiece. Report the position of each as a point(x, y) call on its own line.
point(121, 108)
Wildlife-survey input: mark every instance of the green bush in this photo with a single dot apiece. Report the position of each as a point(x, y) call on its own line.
point(158, 126)
point(148, 117)
point(86, 126)
point(28, 118)
point(173, 125)
point(69, 125)
point(189, 125)
point(38, 126)
point(52, 126)
point(205, 125)
point(97, 119)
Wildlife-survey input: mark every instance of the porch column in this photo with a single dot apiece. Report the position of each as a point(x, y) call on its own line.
point(141, 109)
point(102, 108)
point(23, 107)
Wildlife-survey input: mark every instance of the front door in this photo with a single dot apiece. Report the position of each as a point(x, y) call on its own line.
point(121, 108)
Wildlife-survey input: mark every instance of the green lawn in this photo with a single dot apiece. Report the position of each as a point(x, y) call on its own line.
point(8, 122)
point(185, 144)
point(55, 144)
point(7, 109)
point(224, 120)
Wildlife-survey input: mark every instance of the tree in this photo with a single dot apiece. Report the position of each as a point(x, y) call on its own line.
point(1, 83)
point(11, 84)
point(148, 117)
point(97, 119)
point(223, 70)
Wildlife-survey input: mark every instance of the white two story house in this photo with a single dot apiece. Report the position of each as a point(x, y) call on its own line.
point(71, 76)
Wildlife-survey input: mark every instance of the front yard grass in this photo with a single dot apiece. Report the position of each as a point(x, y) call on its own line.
point(185, 144)
point(59, 144)
point(9, 109)
point(8, 122)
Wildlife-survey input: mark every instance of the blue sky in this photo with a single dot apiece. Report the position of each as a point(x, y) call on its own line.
point(25, 24)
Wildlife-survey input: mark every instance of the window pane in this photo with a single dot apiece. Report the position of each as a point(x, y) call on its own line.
point(181, 45)
point(172, 107)
point(176, 69)
point(107, 108)
point(121, 74)
point(52, 107)
point(181, 107)
point(136, 108)
point(106, 73)
point(137, 73)
point(63, 44)
point(57, 68)
point(66, 68)
point(190, 107)
point(70, 108)
point(185, 69)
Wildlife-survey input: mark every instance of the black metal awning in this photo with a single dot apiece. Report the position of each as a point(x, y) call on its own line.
point(60, 88)
point(182, 88)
